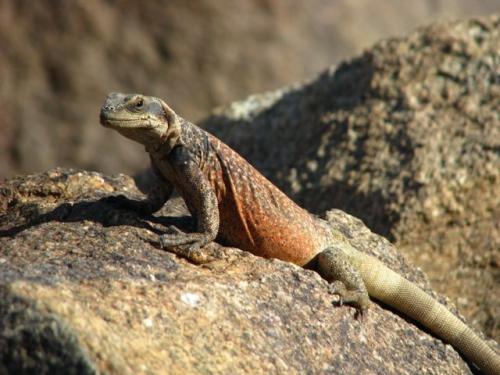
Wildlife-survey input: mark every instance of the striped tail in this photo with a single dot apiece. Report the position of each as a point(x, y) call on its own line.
point(394, 290)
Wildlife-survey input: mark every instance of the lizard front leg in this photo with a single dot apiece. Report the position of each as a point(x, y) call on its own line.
point(346, 281)
point(201, 201)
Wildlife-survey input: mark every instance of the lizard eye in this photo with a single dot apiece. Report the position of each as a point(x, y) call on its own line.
point(139, 103)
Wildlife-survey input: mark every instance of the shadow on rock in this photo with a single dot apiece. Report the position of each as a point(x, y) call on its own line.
point(99, 211)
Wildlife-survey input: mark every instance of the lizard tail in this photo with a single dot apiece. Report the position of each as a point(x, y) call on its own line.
point(394, 290)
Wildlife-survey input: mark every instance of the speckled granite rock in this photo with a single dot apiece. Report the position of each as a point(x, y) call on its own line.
point(83, 289)
point(405, 137)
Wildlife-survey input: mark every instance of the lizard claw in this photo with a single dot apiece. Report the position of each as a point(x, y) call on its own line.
point(337, 288)
point(173, 237)
point(167, 241)
point(173, 231)
point(163, 242)
point(361, 312)
point(355, 299)
point(190, 251)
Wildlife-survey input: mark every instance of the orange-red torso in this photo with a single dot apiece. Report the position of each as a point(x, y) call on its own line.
point(255, 215)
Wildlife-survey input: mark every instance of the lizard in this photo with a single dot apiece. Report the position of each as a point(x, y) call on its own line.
point(232, 202)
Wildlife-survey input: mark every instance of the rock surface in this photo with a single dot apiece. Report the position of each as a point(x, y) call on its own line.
point(58, 60)
point(84, 289)
point(405, 137)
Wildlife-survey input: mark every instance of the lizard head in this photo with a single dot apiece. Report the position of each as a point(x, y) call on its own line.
point(144, 119)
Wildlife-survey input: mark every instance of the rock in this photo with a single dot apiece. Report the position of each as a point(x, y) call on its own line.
point(58, 61)
point(84, 289)
point(406, 137)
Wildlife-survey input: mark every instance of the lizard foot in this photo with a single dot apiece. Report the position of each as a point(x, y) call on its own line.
point(357, 299)
point(184, 245)
point(176, 238)
point(346, 281)
point(173, 236)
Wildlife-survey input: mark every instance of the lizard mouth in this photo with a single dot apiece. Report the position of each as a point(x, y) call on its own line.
point(120, 122)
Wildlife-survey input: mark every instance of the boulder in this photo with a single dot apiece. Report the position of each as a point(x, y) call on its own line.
point(85, 289)
point(406, 137)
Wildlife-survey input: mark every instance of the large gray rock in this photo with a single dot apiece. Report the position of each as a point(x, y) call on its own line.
point(406, 137)
point(84, 289)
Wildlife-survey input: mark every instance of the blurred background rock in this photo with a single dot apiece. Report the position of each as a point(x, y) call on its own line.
point(59, 59)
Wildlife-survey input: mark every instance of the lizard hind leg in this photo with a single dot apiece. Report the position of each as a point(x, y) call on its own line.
point(345, 280)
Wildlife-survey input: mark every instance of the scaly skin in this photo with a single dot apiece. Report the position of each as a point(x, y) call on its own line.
point(232, 201)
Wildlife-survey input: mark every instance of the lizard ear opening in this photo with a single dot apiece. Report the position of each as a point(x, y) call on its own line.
point(174, 126)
